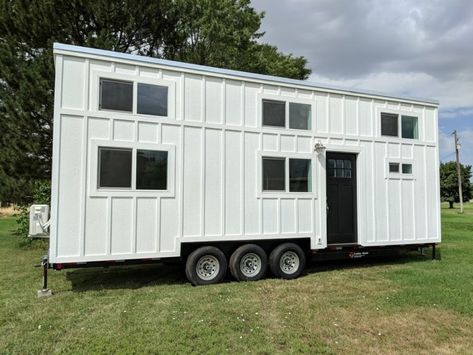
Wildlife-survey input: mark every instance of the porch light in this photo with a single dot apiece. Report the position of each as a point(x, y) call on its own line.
point(319, 147)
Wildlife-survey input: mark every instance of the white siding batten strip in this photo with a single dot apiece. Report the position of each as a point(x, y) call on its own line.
point(83, 195)
point(203, 141)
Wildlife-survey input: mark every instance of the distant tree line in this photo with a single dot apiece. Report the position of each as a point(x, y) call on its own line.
point(449, 191)
point(221, 33)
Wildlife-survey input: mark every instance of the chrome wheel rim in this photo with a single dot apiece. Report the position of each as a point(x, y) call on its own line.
point(250, 264)
point(289, 262)
point(207, 267)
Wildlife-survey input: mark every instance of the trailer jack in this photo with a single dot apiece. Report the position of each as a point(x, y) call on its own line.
point(436, 253)
point(45, 291)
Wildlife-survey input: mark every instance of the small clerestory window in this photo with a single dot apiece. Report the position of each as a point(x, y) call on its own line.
point(152, 100)
point(116, 95)
point(397, 168)
point(274, 114)
point(390, 126)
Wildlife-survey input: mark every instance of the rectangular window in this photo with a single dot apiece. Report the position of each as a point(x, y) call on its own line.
point(114, 167)
point(300, 175)
point(393, 167)
point(407, 168)
point(151, 169)
point(116, 95)
point(409, 127)
point(389, 124)
point(299, 116)
point(339, 168)
point(274, 113)
point(274, 177)
point(152, 100)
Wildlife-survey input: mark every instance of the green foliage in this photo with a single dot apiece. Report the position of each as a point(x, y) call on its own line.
point(449, 182)
point(41, 196)
point(221, 33)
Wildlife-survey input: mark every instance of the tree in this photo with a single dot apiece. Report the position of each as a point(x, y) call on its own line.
point(221, 33)
point(449, 182)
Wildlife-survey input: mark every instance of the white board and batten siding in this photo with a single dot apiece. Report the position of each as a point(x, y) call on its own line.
point(215, 139)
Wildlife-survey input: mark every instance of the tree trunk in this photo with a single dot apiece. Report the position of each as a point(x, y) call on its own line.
point(450, 204)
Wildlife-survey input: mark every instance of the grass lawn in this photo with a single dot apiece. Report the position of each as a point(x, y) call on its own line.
point(402, 305)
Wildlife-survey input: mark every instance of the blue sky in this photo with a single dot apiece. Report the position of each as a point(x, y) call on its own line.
point(421, 48)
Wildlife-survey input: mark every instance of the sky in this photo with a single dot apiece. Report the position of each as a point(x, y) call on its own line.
point(421, 48)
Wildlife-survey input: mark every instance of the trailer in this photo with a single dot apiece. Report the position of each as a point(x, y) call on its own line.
point(156, 160)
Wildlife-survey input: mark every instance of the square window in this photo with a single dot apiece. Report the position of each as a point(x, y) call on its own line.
point(409, 127)
point(151, 169)
point(300, 175)
point(299, 116)
point(331, 167)
point(152, 100)
point(407, 168)
point(116, 95)
point(114, 167)
point(393, 167)
point(274, 113)
point(274, 174)
point(389, 124)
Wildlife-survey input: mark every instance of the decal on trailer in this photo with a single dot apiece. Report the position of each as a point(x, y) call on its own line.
point(357, 254)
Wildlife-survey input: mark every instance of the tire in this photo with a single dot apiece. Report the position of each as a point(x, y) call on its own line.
point(287, 261)
point(206, 266)
point(248, 263)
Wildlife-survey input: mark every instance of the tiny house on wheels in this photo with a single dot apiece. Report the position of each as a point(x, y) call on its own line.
point(156, 159)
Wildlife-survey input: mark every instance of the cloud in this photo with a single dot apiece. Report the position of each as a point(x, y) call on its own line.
point(456, 113)
point(420, 48)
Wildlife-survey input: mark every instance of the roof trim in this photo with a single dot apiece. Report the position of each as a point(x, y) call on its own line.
point(235, 73)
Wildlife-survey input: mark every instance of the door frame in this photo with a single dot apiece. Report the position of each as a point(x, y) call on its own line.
point(355, 151)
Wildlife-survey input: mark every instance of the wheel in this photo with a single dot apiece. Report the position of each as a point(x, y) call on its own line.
point(287, 261)
point(206, 265)
point(248, 263)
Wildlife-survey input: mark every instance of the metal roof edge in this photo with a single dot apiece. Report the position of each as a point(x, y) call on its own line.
point(235, 73)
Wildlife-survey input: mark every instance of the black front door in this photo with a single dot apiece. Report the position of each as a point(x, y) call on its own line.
point(341, 198)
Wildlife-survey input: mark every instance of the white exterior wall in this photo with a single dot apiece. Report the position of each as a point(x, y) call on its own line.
point(215, 142)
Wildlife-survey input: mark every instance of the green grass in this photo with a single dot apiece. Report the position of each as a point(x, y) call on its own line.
point(402, 305)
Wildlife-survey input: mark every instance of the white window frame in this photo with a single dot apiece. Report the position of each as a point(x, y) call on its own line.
point(93, 170)
point(399, 114)
point(135, 79)
point(287, 101)
point(116, 80)
point(121, 188)
point(400, 125)
point(399, 175)
point(286, 193)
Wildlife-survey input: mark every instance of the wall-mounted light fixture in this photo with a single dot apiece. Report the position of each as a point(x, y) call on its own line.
point(319, 147)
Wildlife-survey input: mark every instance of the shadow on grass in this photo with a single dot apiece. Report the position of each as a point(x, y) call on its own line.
point(317, 266)
point(125, 277)
point(140, 276)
